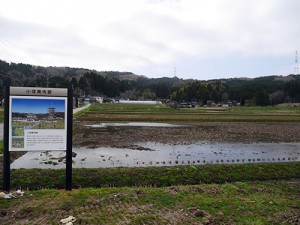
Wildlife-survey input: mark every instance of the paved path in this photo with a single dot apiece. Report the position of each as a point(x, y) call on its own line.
point(74, 111)
point(80, 108)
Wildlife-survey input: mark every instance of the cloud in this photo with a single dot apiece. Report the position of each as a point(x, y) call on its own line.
point(151, 37)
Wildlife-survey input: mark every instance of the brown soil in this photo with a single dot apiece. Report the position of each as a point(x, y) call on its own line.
point(244, 132)
point(190, 117)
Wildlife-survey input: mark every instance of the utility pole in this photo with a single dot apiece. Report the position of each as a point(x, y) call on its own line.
point(296, 68)
point(47, 81)
point(174, 71)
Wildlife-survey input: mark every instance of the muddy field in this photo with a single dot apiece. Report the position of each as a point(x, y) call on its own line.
point(242, 125)
point(241, 132)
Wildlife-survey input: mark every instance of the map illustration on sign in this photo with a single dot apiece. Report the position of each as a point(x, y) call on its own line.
point(38, 122)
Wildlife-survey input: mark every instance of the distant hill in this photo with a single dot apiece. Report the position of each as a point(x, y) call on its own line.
point(257, 91)
point(266, 90)
point(20, 73)
point(85, 81)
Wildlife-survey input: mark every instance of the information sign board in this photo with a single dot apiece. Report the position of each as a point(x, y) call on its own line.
point(37, 123)
point(37, 119)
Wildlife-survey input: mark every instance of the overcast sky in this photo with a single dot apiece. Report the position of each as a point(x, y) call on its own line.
point(202, 39)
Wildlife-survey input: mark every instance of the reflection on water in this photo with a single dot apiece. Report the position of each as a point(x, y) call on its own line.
point(164, 155)
point(133, 124)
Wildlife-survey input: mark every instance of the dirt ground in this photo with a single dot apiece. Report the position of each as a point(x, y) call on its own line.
point(242, 132)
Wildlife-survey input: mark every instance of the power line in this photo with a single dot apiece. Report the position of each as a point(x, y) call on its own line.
point(11, 53)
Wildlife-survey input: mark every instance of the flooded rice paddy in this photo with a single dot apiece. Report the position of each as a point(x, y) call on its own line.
point(148, 154)
point(133, 124)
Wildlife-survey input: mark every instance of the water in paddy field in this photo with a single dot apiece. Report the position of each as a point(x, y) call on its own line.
point(134, 124)
point(158, 154)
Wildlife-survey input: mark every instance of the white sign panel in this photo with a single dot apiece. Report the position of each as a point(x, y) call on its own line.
point(37, 123)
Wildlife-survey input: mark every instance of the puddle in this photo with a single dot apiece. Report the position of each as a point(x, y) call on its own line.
point(164, 155)
point(139, 102)
point(133, 124)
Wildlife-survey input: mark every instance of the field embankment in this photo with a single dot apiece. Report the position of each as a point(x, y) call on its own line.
point(33, 179)
point(230, 203)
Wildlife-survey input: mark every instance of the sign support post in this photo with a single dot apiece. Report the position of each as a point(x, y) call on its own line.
point(6, 155)
point(69, 141)
point(37, 119)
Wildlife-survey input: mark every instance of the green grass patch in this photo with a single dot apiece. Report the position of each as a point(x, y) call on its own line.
point(265, 110)
point(151, 113)
point(131, 108)
point(154, 176)
point(230, 203)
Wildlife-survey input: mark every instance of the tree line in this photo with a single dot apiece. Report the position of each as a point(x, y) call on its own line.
point(268, 90)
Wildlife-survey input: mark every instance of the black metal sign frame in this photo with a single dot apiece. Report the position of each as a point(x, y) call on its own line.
point(37, 92)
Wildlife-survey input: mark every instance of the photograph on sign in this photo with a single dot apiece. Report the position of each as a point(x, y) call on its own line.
point(37, 123)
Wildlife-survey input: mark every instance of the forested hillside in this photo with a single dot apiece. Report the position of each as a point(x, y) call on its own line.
point(268, 90)
point(88, 82)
